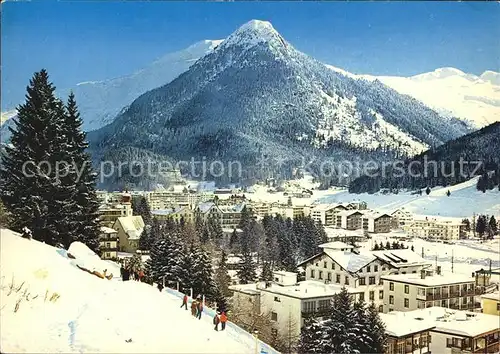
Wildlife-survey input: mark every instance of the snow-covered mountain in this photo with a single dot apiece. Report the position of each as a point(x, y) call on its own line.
point(101, 101)
point(449, 91)
point(255, 93)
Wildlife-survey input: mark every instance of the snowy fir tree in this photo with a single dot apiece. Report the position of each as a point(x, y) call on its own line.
point(146, 238)
point(351, 327)
point(493, 225)
point(222, 278)
point(202, 274)
point(376, 330)
point(36, 189)
point(311, 337)
point(267, 272)
point(141, 207)
point(481, 225)
point(85, 196)
point(186, 270)
point(246, 273)
point(222, 305)
point(341, 325)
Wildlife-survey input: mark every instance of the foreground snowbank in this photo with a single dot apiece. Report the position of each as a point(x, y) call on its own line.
point(49, 305)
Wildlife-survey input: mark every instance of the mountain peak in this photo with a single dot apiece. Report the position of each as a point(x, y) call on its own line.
point(254, 32)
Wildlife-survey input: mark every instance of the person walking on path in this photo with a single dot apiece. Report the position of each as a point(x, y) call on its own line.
point(141, 275)
point(223, 320)
point(185, 302)
point(216, 321)
point(200, 310)
point(194, 308)
point(160, 287)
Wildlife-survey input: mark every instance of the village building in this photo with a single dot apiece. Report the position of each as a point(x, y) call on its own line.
point(410, 291)
point(436, 228)
point(490, 303)
point(349, 219)
point(108, 243)
point(129, 229)
point(344, 265)
point(406, 334)
point(376, 222)
point(456, 331)
point(179, 214)
point(287, 302)
point(110, 212)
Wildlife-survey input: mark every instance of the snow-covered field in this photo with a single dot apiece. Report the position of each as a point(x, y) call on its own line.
point(464, 201)
point(49, 305)
point(468, 255)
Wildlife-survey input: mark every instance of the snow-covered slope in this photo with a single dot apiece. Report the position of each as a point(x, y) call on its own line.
point(464, 201)
point(449, 91)
point(49, 305)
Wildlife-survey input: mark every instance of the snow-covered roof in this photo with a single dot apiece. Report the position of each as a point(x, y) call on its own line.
point(402, 324)
point(429, 280)
point(132, 225)
point(108, 230)
point(205, 207)
point(350, 261)
point(462, 323)
point(400, 258)
point(492, 296)
point(171, 211)
point(326, 207)
point(229, 230)
point(374, 215)
point(237, 208)
point(336, 245)
point(349, 212)
point(306, 289)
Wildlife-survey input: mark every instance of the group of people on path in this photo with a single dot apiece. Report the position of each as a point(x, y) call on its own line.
point(197, 309)
point(129, 274)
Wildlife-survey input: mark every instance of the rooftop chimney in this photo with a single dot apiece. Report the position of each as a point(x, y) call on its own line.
point(422, 274)
point(438, 270)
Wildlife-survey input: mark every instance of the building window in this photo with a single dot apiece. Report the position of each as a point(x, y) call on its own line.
point(391, 299)
point(375, 268)
point(372, 295)
point(329, 276)
point(381, 294)
point(391, 286)
point(407, 303)
point(362, 281)
point(320, 275)
point(337, 280)
point(108, 245)
point(498, 306)
point(361, 296)
point(309, 306)
point(381, 308)
point(277, 299)
point(323, 305)
point(274, 316)
point(372, 281)
point(325, 265)
point(312, 273)
point(368, 269)
point(333, 265)
point(407, 289)
point(346, 280)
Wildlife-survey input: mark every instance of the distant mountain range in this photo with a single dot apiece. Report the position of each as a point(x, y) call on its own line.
point(450, 92)
point(254, 94)
point(477, 150)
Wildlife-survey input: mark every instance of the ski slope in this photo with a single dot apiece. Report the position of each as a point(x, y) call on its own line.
point(89, 314)
point(464, 201)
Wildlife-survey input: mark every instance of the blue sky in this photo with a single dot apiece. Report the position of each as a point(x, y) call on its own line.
point(93, 40)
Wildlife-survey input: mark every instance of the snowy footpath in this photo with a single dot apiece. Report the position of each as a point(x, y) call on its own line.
point(49, 305)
